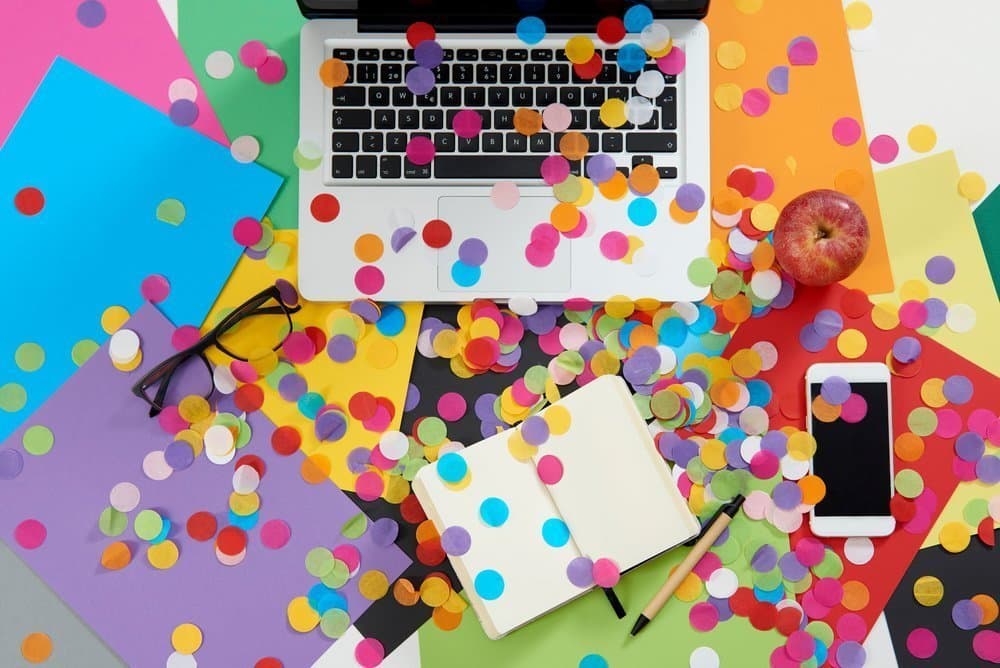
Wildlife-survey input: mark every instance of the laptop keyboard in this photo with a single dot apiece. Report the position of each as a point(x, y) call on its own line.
point(375, 115)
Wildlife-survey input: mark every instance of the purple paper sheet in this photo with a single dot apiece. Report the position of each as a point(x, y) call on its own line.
point(102, 432)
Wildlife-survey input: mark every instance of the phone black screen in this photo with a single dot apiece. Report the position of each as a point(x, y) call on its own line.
point(853, 459)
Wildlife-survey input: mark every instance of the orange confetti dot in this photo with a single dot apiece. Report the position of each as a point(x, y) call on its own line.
point(573, 145)
point(615, 187)
point(564, 217)
point(824, 411)
point(368, 248)
point(644, 179)
point(315, 469)
point(727, 201)
point(856, 595)
point(737, 309)
point(849, 182)
point(426, 532)
point(680, 215)
point(762, 257)
point(405, 593)
point(333, 72)
point(989, 606)
point(36, 647)
point(528, 122)
point(813, 489)
point(445, 619)
point(908, 446)
point(116, 556)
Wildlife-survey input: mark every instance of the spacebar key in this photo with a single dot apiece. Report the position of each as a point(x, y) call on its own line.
point(481, 167)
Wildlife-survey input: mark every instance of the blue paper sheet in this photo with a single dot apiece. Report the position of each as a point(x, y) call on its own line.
point(104, 161)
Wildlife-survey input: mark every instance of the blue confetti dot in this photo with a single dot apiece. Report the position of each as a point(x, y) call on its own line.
point(555, 532)
point(821, 652)
point(531, 29)
point(465, 275)
point(164, 532)
point(322, 598)
point(705, 322)
point(673, 332)
point(769, 596)
point(642, 211)
point(245, 522)
point(638, 17)
point(391, 321)
point(625, 333)
point(494, 511)
point(760, 392)
point(310, 404)
point(593, 661)
point(452, 467)
point(631, 58)
point(489, 584)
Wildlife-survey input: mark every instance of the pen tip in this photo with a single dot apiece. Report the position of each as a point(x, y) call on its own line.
point(640, 623)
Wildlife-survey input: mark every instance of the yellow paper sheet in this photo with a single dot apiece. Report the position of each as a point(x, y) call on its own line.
point(336, 382)
point(925, 216)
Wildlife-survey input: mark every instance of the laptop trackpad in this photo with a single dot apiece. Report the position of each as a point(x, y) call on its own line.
point(505, 235)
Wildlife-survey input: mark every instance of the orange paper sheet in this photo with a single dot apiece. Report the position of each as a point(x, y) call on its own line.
point(793, 140)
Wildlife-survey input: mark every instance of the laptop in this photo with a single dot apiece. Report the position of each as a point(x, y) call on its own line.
point(478, 220)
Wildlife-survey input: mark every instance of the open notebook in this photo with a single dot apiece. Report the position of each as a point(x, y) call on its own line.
point(615, 496)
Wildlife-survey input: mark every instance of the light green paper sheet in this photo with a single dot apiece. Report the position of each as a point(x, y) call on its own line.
point(244, 104)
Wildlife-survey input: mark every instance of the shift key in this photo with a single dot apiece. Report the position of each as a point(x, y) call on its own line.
point(352, 119)
point(651, 142)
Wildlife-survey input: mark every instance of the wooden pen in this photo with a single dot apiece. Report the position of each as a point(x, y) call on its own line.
point(712, 532)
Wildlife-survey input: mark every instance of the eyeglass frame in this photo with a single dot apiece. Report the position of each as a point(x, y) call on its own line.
point(162, 373)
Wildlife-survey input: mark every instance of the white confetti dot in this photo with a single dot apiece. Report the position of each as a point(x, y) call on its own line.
point(225, 381)
point(722, 583)
point(650, 83)
point(219, 64)
point(182, 89)
point(394, 445)
point(859, 550)
point(124, 497)
point(245, 479)
point(704, 657)
point(124, 346)
point(245, 149)
point(178, 660)
point(961, 318)
point(523, 305)
point(155, 466)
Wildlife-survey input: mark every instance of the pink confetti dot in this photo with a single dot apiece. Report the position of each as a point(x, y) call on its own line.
point(763, 186)
point(802, 51)
point(854, 409)
point(672, 63)
point(703, 616)
point(170, 420)
point(369, 280)
point(30, 534)
point(467, 123)
point(155, 288)
point(912, 314)
point(350, 555)
point(451, 406)
point(247, 231)
point(949, 423)
point(883, 149)
point(550, 469)
point(243, 371)
point(852, 626)
point(539, 254)
point(921, 643)
point(369, 486)
point(606, 573)
point(184, 337)
point(272, 70)
point(986, 645)
point(253, 54)
point(369, 653)
point(809, 551)
point(846, 131)
point(420, 150)
point(557, 117)
point(555, 169)
point(614, 245)
point(756, 102)
point(274, 534)
point(299, 348)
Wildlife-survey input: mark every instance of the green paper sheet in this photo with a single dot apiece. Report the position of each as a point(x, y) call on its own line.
point(244, 104)
point(987, 216)
point(588, 626)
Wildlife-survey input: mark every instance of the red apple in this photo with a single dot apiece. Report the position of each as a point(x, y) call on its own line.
point(821, 237)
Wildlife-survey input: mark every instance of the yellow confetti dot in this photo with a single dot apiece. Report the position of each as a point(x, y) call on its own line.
point(113, 318)
point(932, 393)
point(922, 138)
point(764, 216)
point(244, 504)
point(586, 191)
point(954, 537)
point(301, 616)
point(858, 15)
point(373, 585)
point(972, 186)
point(928, 590)
point(186, 638)
point(613, 112)
point(914, 289)
point(194, 408)
point(558, 419)
point(434, 592)
point(801, 445)
point(746, 363)
point(689, 589)
point(885, 316)
point(792, 164)
point(382, 353)
point(728, 96)
point(619, 306)
point(579, 49)
point(852, 343)
point(713, 454)
point(748, 6)
point(519, 448)
point(731, 55)
point(162, 555)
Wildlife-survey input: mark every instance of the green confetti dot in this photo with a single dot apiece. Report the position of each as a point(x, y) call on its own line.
point(830, 567)
point(307, 156)
point(355, 527)
point(729, 551)
point(277, 256)
point(432, 431)
point(171, 211)
point(37, 440)
point(727, 284)
point(29, 357)
point(726, 484)
point(922, 421)
point(975, 511)
point(112, 522)
point(535, 377)
point(334, 623)
point(319, 562)
point(13, 397)
point(338, 575)
point(571, 360)
point(909, 483)
point(767, 581)
point(148, 524)
point(82, 350)
point(803, 585)
point(702, 271)
point(821, 631)
point(266, 236)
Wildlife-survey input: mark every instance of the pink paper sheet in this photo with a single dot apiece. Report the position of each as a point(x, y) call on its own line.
point(133, 49)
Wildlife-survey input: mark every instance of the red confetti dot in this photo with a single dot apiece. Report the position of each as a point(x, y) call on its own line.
point(248, 398)
point(418, 32)
point(29, 201)
point(254, 462)
point(231, 541)
point(743, 180)
point(318, 338)
point(742, 601)
point(611, 30)
point(763, 616)
point(286, 440)
point(855, 304)
point(482, 352)
point(325, 207)
point(589, 69)
point(362, 405)
point(202, 526)
point(788, 621)
point(903, 509)
point(411, 510)
point(437, 233)
point(269, 662)
point(986, 533)
point(430, 553)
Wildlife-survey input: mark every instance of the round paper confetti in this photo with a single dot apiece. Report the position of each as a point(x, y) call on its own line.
point(883, 149)
point(489, 584)
point(922, 138)
point(972, 186)
point(90, 14)
point(219, 64)
point(37, 647)
point(29, 201)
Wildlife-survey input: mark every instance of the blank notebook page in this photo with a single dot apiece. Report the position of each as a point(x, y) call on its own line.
point(616, 493)
point(533, 571)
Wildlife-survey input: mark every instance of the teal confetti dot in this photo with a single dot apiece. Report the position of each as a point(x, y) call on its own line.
point(494, 511)
point(489, 584)
point(594, 660)
point(452, 467)
point(465, 275)
point(531, 30)
point(392, 321)
point(555, 532)
point(642, 211)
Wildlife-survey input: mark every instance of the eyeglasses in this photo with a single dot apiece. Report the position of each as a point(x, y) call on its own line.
point(258, 326)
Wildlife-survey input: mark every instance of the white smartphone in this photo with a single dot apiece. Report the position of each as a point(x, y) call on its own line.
point(853, 457)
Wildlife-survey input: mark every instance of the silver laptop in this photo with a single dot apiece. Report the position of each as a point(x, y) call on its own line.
point(373, 222)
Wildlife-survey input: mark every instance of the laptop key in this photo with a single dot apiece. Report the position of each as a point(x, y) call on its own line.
point(390, 166)
point(367, 54)
point(558, 74)
point(428, 100)
point(409, 119)
point(395, 142)
point(619, 92)
point(578, 119)
point(402, 97)
point(492, 142)
point(510, 74)
point(534, 73)
point(593, 96)
point(444, 142)
point(468, 54)
point(352, 119)
point(623, 170)
point(412, 171)
point(468, 144)
point(522, 96)
point(503, 119)
point(448, 55)
point(540, 142)
point(385, 119)
point(391, 73)
point(451, 96)
point(348, 96)
point(346, 142)
point(486, 74)
point(498, 96)
point(627, 77)
point(441, 74)
point(343, 166)
point(541, 54)
point(344, 54)
point(612, 142)
point(516, 142)
point(608, 75)
point(491, 167)
point(545, 95)
point(432, 119)
point(392, 54)
point(378, 96)
point(517, 55)
point(593, 142)
point(667, 172)
point(372, 142)
point(475, 96)
point(595, 120)
point(570, 96)
point(651, 142)
point(462, 74)
point(652, 124)
point(367, 73)
point(366, 167)
point(492, 54)
point(641, 160)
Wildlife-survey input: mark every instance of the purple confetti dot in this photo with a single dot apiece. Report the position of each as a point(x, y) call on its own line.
point(601, 167)
point(384, 531)
point(412, 398)
point(511, 358)
point(723, 537)
point(690, 197)
point(179, 455)
point(341, 348)
point(254, 254)
point(580, 572)
point(970, 446)
point(640, 368)
point(91, 13)
point(966, 614)
point(473, 252)
point(766, 557)
point(811, 340)
point(428, 53)
point(365, 310)
point(734, 454)
point(777, 80)
point(937, 312)
point(400, 237)
point(287, 292)
point(292, 386)
point(940, 269)
point(535, 430)
point(906, 349)
point(851, 655)
point(787, 496)
point(420, 80)
point(958, 389)
point(357, 460)
point(785, 295)
point(456, 541)
point(11, 464)
point(722, 606)
point(183, 112)
point(828, 323)
point(331, 426)
point(988, 469)
point(666, 442)
point(696, 376)
point(483, 407)
point(775, 442)
point(835, 390)
point(791, 568)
